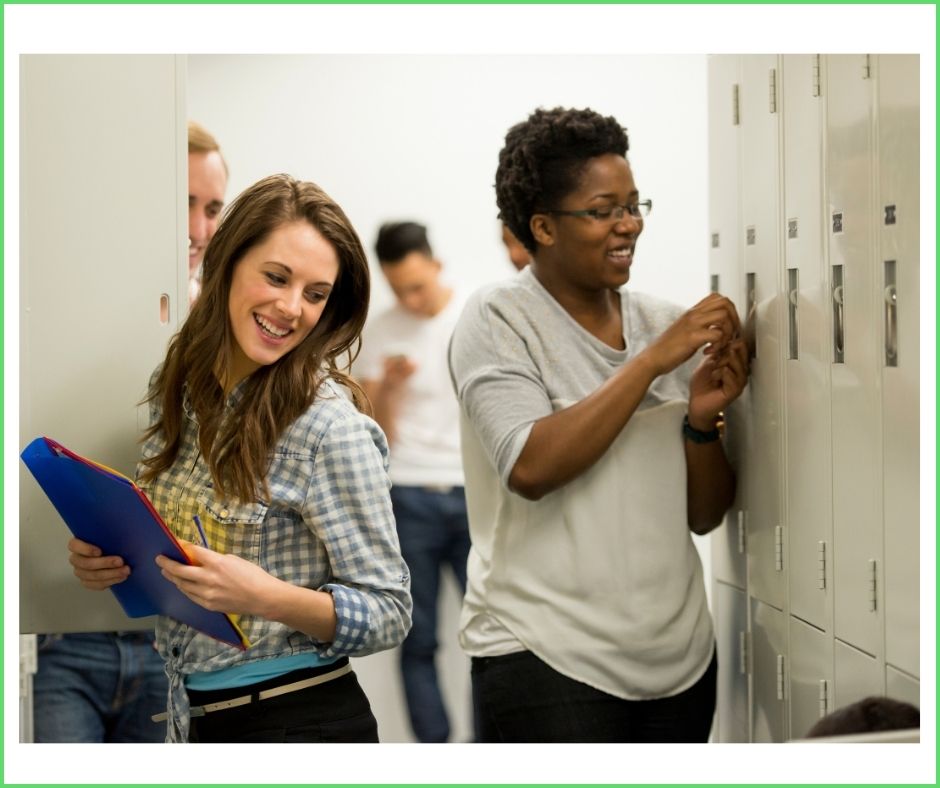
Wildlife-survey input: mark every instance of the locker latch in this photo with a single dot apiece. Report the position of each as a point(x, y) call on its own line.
point(744, 661)
point(778, 548)
point(772, 78)
point(872, 585)
point(817, 79)
point(821, 567)
point(823, 698)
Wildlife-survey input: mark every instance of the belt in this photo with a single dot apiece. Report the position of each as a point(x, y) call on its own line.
point(244, 700)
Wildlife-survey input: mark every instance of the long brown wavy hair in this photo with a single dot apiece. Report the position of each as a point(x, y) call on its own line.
point(237, 446)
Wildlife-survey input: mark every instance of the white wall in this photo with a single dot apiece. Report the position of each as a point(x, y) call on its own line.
point(417, 137)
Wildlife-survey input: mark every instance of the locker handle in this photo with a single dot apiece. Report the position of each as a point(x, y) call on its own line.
point(792, 303)
point(838, 316)
point(891, 315)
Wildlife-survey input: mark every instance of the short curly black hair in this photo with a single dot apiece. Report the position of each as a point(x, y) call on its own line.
point(543, 158)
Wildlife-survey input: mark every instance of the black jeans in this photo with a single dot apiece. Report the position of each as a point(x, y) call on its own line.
point(336, 711)
point(521, 699)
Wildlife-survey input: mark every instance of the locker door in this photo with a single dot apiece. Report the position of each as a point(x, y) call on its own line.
point(811, 684)
point(760, 477)
point(731, 634)
point(900, 686)
point(724, 244)
point(857, 675)
point(102, 234)
point(768, 673)
point(856, 368)
point(897, 212)
point(806, 347)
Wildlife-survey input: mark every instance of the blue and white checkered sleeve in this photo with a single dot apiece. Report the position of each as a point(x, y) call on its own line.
point(349, 508)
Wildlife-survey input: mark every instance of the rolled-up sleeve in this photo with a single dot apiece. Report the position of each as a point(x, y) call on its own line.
point(349, 509)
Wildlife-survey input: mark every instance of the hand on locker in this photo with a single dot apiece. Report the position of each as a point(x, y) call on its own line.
point(717, 382)
point(712, 323)
point(95, 571)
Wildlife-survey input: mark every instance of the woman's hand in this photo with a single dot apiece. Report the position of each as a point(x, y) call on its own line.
point(712, 321)
point(229, 584)
point(716, 383)
point(95, 571)
point(226, 583)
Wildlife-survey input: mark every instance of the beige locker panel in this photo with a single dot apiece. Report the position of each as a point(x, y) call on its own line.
point(857, 675)
point(897, 278)
point(724, 246)
point(760, 477)
point(102, 238)
point(768, 673)
point(731, 634)
point(856, 368)
point(901, 686)
point(806, 349)
point(810, 674)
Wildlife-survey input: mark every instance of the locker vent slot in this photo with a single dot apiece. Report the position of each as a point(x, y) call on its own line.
point(817, 80)
point(772, 80)
point(750, 303)
point(713, 284)
point(735, 105)
point(792, 228)
point(891, 214)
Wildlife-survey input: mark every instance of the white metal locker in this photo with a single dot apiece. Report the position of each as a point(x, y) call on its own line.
point(731, 637)
point(808, 463)
point(724, 242)
point(768, 655)
point(810, 674)
point(897, 212)
point(103, 235)
point(900, 686)
point(856, 368)
point(760, 477)
point(857, 675)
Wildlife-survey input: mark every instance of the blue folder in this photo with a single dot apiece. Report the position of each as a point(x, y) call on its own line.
point(104, 508)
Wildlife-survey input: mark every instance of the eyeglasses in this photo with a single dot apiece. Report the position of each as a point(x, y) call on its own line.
point(638, 210)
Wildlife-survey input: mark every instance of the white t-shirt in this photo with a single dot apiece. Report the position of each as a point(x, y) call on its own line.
point(600, 578)
point(426, 450)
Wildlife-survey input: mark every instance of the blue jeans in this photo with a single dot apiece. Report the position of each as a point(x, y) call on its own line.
point(521, 699)
point(99, 687)
point(433, 531)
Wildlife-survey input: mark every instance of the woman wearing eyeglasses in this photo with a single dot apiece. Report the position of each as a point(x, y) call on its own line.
point(591, 450)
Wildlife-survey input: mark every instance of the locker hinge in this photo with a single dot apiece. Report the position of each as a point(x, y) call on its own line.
point(821, 567)
point(742, 531)
point(778, 548)
point(781, 678)
point(744, 655)
point(817, 79)
point(735, 105)
point(866, 68)
point(773, 89)
point(823, 698)
point(28, 662)
point(872, 585)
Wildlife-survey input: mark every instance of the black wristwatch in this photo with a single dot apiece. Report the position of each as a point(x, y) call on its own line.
point(697, 436)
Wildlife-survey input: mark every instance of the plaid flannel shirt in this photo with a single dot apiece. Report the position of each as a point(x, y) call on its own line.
point(328, 525)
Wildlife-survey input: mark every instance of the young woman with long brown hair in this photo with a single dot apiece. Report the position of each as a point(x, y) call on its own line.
point(257, 430)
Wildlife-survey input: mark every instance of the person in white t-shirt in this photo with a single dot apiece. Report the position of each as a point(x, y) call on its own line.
point(403, 369)
point(591, 449)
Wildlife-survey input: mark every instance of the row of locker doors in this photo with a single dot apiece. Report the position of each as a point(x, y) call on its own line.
point(814, 211)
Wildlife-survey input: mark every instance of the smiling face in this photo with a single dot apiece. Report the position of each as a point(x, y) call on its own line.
point(278, 293)
point(582, 252)
point(207, 180)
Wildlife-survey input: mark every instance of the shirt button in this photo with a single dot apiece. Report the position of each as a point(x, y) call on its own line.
point(224, 512)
